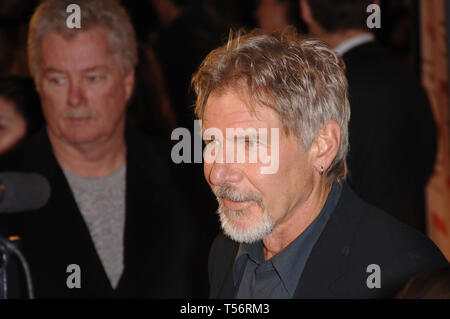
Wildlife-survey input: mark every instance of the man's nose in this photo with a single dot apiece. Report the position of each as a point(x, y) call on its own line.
point(75, 95)
point(224, 173)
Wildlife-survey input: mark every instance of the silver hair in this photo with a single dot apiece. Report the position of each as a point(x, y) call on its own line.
point(51, 16)
point(302, 80)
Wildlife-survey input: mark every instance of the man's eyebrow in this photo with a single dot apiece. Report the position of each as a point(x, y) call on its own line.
point(243, 136)
point(96, 68)
point(52, 70)
point(249, 135)
point(87, 70)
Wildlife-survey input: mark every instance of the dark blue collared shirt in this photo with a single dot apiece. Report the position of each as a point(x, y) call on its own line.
point(278, 277)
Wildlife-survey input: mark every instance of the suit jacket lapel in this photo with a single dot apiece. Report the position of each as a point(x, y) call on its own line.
point(328, 261)
point(221, 262)
point(66, 233)
point(134, 202)
point(227, 289)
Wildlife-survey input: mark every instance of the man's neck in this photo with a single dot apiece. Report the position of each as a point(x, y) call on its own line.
point(97, 159)
point(301, 217)
point(335, 38)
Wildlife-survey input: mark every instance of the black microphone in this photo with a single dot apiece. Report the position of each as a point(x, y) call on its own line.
point(22, 191)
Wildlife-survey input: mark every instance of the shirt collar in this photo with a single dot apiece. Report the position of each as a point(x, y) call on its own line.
point(352, 42)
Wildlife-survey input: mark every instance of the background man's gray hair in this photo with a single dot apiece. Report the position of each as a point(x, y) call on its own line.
point(51, 16)
point(303, 81)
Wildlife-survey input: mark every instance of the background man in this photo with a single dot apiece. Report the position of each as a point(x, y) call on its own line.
point(300, 232)
point(388, 167)
point(112, 210)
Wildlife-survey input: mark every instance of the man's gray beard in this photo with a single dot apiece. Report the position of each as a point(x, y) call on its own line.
point(252, 233)
point(248, 235)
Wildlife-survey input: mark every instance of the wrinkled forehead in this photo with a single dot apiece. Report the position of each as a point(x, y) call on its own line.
point(231, 109)
point(237, 108)
point(82, 51)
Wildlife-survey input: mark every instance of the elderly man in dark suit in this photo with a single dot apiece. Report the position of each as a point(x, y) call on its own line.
point(292, 227)
point(392, 131)
point(115, 225)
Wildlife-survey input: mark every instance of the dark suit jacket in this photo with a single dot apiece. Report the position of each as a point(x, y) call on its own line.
point(356, 235)
point(158, 239)
point(392, 134)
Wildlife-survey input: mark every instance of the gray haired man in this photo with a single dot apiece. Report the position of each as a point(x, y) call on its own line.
point(111, 227)
point(300, 232)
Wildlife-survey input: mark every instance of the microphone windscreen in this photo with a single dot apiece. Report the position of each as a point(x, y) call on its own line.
point(23, 191)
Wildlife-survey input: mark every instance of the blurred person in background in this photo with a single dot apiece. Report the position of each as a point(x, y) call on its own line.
point(388, 168)
point(20, 112)
point(275, 15)
point(112, 210)
point(400, 31)
point(150, 107)
point(186, 32)
point(14, 17)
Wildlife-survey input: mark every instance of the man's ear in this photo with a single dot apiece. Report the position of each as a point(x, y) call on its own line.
point(326, 145)
point(305, 12)
point(129, 84)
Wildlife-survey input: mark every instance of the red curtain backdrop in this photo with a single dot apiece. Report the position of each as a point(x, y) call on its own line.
point(435, 54)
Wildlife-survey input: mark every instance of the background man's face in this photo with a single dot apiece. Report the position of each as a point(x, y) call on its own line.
point(82, 91)
point(247, 197)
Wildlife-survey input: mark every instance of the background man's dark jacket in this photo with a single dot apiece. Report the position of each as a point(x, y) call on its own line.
point(356, 235)
point(158, 241)
point(392, 134)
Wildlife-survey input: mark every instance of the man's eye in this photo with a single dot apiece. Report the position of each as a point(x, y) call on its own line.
point(57, 80)
point(252, 142)
point(94, 78)
point(211, 142)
